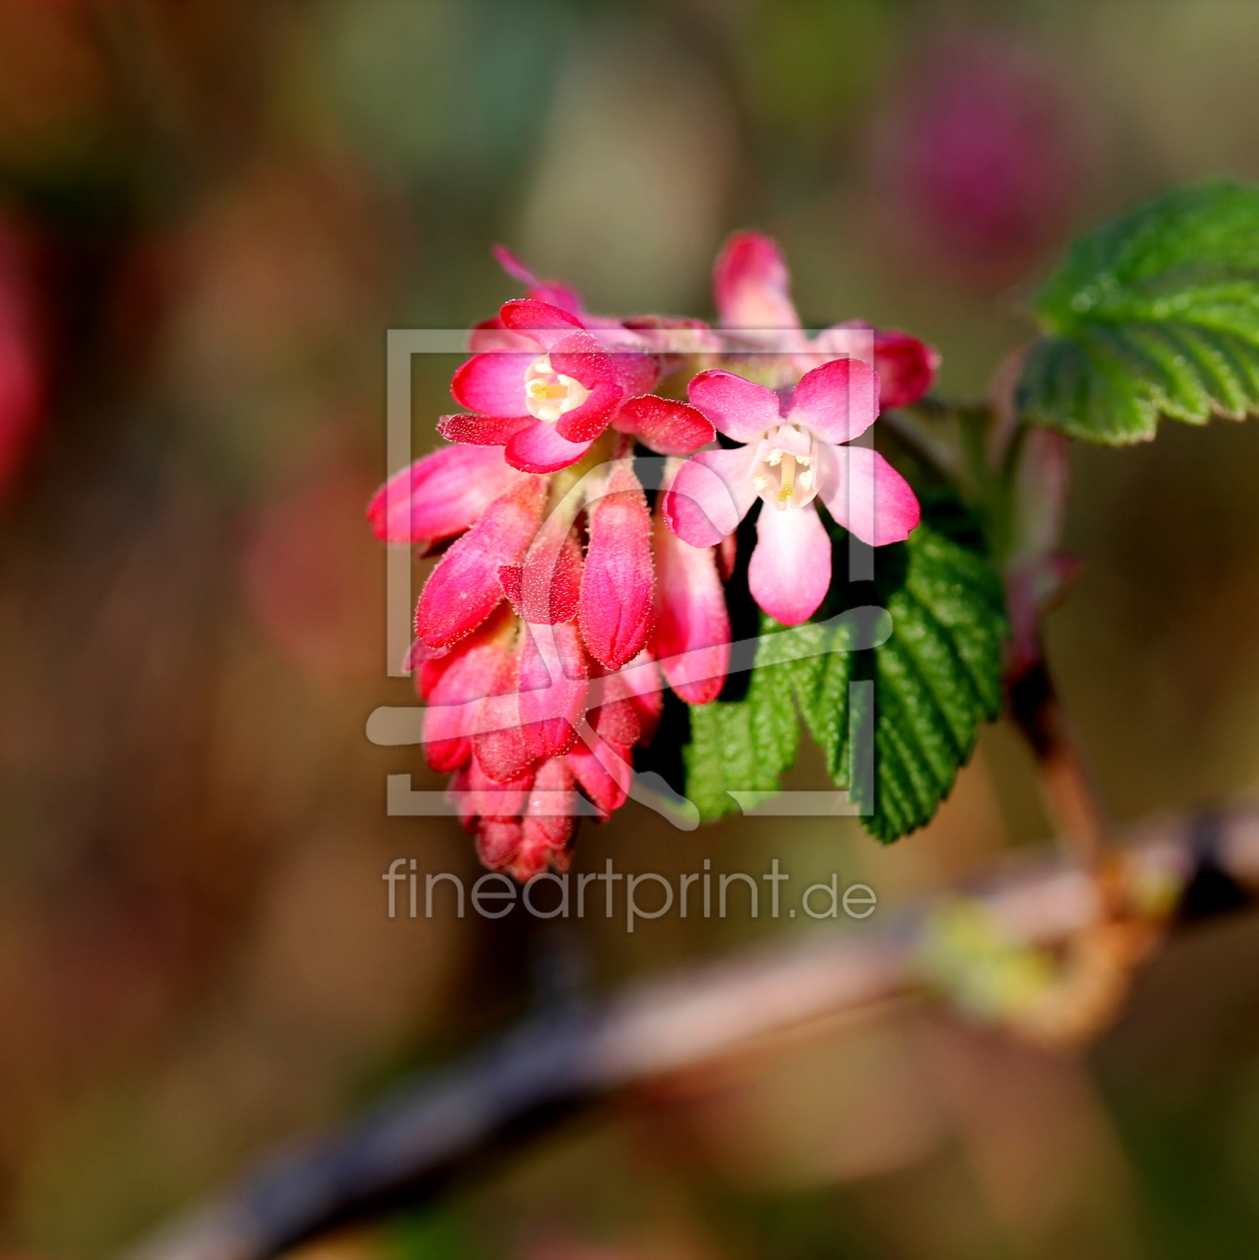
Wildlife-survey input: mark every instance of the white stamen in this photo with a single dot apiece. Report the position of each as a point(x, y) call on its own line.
point(782, 478)
point(548, 393)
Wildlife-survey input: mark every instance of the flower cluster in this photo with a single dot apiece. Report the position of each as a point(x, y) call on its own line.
point(563, 602)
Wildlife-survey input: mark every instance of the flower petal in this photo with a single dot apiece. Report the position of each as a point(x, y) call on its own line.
point(453, 684)
point(482, 430)
point(492, 334)
point(790, 570)
point(637, 371)
point(838, 401)
point(464, 587)
point(710, 495)
point(545, 323)
point(739, 408)
point(553, 782)
point(752, 285)
point(550, 292)
point(692, 640)
point(582, 358)
point(643, 685)
point(550, 578)
point(493, 382)
point(866, 495)
point(615, 715)
point(538, 448)
point(548, 821)
point(585, 423)
point(486, 798)
point(499, 746)
point(604, 771)
point(906, 367)
point(552, 682)
point(618, 607)
point(440, 495)
point(498, 842)
point(668, 427)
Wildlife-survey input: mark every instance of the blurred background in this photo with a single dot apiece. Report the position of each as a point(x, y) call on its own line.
point(210, 213)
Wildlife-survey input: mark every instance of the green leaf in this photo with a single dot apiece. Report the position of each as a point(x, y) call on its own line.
point(1154, 315)
point(931, 681)
point(745, 746)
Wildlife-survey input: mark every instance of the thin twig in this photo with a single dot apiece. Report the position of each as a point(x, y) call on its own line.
point(1067, 787)
point(410, 1147)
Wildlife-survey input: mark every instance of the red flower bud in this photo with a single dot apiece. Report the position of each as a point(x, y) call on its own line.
point(464, 588)
point(618, 609)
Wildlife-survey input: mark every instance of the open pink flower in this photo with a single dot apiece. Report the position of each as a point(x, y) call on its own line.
point(548, 387)
point(792, 456)
point(752, 287)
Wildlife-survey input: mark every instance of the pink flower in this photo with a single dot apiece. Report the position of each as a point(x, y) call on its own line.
point(692, 640)
point(523, 717)
point(791, 457)
point(509, 696)
point(551, 678)
point(466, 586)
point(440, 495)
point(510, 553)
point(548, 820)
point(552, 292)
point(458, 679)
point(618, 603)
point(526, 826)
point(752, 287)
point(533, 704)
point(559, 608)
point(517, 785)
point(550, 387)
point(906, 366)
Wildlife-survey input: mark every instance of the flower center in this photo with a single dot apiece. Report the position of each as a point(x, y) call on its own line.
point(785, 476)
point(548, 393)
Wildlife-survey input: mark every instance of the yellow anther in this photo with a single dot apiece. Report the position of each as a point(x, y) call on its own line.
point(787, 487)
point(548, 393)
